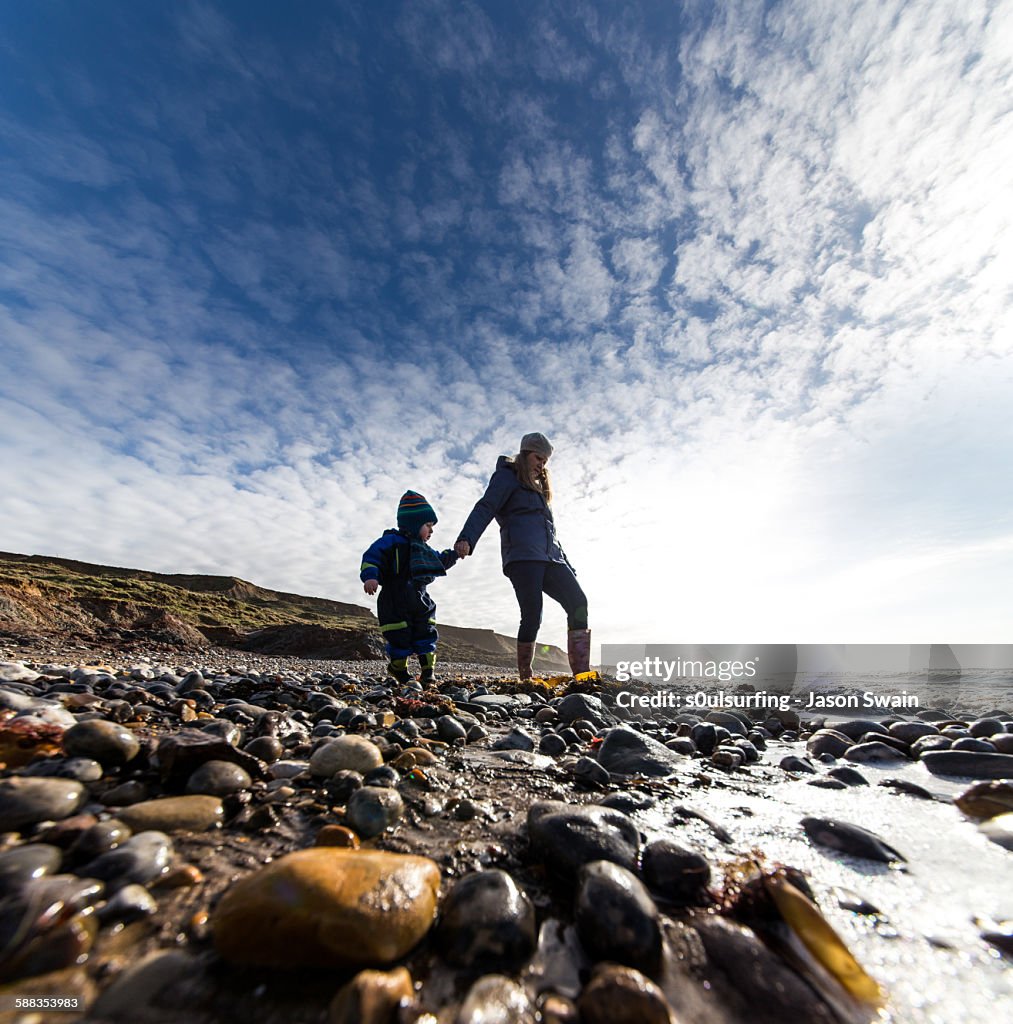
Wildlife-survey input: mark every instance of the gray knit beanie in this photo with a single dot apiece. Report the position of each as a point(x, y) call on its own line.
point(537, 443)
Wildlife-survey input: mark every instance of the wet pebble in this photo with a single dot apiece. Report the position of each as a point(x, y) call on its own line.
point(590, 772)
point(971, 765)
point(622, 995)
point(515, 739)
point(551, 744)
point(828, 741)
point(449, 729)
point(849, 776)
point(346, 753)
point(131, 903)
point(130, 792)
point(676, 873)
point(986, 799)
point(372, 809)
point(27, 801)
point(108, 743)
point(26, 863)
point(265, 748)
point(194, 813)
point(616, 917)
point(327, 907)
point(142, 858)
point(80, 769)
point(487, 922)
point(625, 751)
point(372, 997)
point(218, 778)
point(793, 763)
point(874, 752)
point(567, 837)
point(850, 839)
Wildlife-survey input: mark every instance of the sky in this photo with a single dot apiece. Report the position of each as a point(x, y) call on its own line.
point(748, 266)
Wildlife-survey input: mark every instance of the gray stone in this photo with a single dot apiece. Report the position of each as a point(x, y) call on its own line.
point(589, 771)
point(346, 753)
point(567, 837)
point(874, 753)
point(828, 741)
point(624, 751)
point(27, 801)
point(372, 809)
point(218, 778)
point(515, 739)
point(108, 743)
point(141, 859)
point(24, 863)
point(968, 764)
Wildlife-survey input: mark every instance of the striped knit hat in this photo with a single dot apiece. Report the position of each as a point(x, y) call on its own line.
point(412, 511)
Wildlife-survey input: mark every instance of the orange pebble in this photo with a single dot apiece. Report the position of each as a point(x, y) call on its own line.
point(337, 835)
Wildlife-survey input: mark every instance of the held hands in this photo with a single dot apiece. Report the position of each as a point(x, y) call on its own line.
point(370, 587)
point(462, 549)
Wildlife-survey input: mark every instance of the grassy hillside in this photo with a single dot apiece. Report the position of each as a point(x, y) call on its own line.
point(45, 595)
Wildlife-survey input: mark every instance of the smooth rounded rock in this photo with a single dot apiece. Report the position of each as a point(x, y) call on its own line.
point(25, 863)
point(568, 836)
point(675, 873)
point(856, 728)
point(372, 809)
point(142, 858)
point(449, 729)
point(911, 731)
point(266, 748)
point(327, 907)
point(218, 778)
point(828, 741)
point(590, 772)
point(195, 813)
point(346, 753)
point(622, 995)
point(372, 997)
point(968, 764)
point(27, 801)
point(793, 763)
point(987, 799)
point(616, 917)
point(80, 769)
point(108, 743)
point(625, 751)
point(487, 922)
point(874, 753)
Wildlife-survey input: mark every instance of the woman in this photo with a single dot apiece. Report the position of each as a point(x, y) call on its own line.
point(519, 496)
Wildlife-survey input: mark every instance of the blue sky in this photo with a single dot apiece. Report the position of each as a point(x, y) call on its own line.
point(748, 266)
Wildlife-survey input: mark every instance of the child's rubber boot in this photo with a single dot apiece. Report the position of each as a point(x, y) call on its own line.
point(428, 663)
point(525, 656)
point(578, 650)
point(397, 668)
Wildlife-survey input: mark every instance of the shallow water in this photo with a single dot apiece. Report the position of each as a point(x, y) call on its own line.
point(953, 875)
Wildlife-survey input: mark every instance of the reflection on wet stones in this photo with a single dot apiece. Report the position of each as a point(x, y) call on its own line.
point(616, 917)
point(568, 837)
point(487, 922)
point(328, 907)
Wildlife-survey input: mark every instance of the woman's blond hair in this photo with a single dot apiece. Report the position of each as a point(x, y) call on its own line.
point(540, 481)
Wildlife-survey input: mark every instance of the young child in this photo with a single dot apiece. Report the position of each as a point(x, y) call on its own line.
point(402, 564)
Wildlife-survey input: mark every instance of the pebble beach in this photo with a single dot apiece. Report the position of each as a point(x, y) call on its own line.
point(271, 839)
